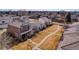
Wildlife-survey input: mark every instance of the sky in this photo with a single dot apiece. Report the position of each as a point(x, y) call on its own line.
point(51, 5)
point(40, 9)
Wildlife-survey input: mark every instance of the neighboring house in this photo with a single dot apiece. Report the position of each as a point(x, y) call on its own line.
point(18, 29)
point(77, 16)
point(4, 22)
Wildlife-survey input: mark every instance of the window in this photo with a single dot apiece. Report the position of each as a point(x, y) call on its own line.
point(3, 21)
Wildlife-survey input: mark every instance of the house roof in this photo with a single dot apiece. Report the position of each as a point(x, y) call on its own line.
point(18, 24)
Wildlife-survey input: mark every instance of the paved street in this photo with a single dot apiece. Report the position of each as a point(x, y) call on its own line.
point(70, 36)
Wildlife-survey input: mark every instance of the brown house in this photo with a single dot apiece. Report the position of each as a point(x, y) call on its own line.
point(18, 29)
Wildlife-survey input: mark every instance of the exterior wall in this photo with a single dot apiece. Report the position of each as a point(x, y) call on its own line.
point(13, 30)
point(24, 28)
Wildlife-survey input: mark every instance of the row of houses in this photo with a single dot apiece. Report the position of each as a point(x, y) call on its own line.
point(24, 27)
point(5, 20)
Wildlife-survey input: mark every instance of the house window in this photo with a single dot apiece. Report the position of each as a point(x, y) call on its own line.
point(3, 21)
